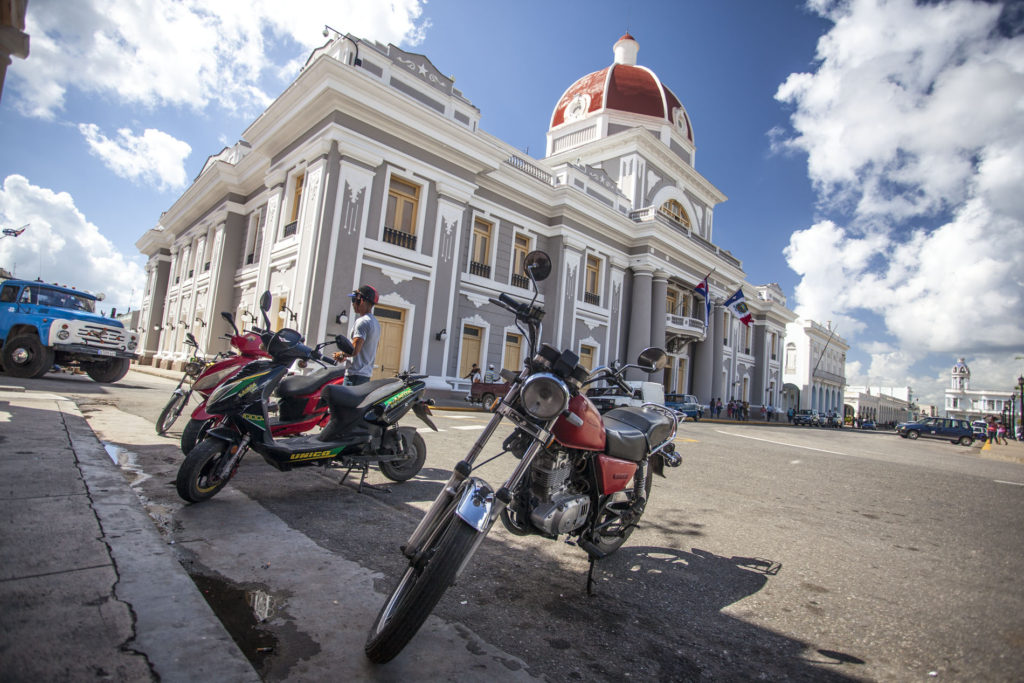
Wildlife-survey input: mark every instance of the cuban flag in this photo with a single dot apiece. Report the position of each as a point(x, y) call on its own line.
point(738, 305)
point(702, 289)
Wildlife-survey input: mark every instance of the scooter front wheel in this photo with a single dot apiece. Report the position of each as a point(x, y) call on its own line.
point(419, 590)
point(404, 470)
point(194, 432)
point(197, 477)
point(170, 413)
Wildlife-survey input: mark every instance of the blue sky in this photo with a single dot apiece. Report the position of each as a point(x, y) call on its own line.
point(872, 150)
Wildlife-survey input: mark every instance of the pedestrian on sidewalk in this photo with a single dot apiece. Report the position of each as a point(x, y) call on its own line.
point(991, 429)
point(1001, 434)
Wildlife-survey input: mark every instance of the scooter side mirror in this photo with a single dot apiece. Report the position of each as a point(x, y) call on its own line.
point(191, 339)
point(230, 320)
point(538, 264)
point(344, 345)
point(265, 301)
point(652, 359)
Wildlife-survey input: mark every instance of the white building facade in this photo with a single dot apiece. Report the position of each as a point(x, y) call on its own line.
point(814, 367)
point(371, 168)
point(965, 403)
point(884, 405)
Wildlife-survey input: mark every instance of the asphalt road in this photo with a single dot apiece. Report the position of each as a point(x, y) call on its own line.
point(773, 552)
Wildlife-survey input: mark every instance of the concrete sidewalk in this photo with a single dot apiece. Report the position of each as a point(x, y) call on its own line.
point(88, 588)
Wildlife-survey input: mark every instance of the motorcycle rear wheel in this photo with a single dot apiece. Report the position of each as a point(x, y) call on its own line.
point(419, 590)
point(406, 469)
point(194, 432)
point(196, 479)
point(612, 536)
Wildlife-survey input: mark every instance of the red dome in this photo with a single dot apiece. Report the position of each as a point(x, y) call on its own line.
point(621, 87)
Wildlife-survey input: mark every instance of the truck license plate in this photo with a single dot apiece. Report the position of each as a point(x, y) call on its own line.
point(106, 352)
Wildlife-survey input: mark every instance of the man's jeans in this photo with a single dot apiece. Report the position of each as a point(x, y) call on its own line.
point(355, 380)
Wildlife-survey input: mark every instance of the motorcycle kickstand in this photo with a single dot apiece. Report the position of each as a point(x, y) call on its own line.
point(362, 480)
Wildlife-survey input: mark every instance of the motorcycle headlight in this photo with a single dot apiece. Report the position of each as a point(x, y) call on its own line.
point(194, 369)
point(214, 378)
point(544, 396)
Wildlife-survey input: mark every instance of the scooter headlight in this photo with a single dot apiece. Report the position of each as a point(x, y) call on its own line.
point(544, 396)
point(214, 378)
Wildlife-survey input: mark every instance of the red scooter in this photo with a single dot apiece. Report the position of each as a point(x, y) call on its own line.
point(299, 406)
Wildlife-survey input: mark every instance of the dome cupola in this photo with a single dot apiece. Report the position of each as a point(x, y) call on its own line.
point(623, 88)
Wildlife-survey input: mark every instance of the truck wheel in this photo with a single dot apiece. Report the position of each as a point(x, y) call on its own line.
point(487, 399)
point(107, 371)
point(25, 357)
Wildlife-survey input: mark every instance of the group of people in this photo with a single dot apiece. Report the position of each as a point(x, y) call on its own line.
point(996, 431)
point(491, 376)
point(740, 410)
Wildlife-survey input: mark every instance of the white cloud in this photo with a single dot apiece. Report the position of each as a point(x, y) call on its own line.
point(61, 245)
point(153, 157)
point(184, 52)
point(913, 125)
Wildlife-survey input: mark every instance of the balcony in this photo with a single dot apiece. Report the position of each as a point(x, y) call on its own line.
point(399, 238)
point(591, 298)
point(479, 269)
point(684, 325)
point(520, 281)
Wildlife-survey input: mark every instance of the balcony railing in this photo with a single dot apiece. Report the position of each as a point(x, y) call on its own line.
point(206, 266)
point(399, 238)
point(252, 258)
point(520, 281)
point(591, 298)
point(479, 269)
point(291, 229)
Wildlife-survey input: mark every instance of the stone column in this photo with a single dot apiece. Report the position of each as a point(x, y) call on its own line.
point(716, 353)
point(659, 295)
point(702, 360)
point(639, 317)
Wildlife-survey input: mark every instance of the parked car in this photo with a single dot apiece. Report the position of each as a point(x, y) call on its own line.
point(806, 418)
point(980, 428)
point(867, 424)
point(685, 404)
point(954, 431)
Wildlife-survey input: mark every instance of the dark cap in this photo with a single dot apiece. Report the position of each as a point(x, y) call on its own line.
point(366, 292)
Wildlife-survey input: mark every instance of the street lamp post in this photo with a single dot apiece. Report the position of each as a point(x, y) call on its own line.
point(1020, 383)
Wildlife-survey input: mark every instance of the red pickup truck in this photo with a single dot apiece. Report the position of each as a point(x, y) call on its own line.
point(486, 392)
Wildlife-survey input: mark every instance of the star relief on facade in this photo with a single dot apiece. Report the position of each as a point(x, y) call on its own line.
point(421, 69)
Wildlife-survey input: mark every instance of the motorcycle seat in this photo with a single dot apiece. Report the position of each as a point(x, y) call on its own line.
point(342, 396)
point(298, 385)
point(631, 432)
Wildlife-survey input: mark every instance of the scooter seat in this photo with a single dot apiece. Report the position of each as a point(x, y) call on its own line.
point(299, 385)
point(631, 432)
point(342, 396)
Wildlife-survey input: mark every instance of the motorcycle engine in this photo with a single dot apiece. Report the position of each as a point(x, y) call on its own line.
point(559, 506)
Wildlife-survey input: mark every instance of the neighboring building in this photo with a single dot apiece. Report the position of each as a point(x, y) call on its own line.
point(929, 411)
point(884, 405)
point(814, 367)
point(371, 168)
point(965, 403)
point(13, 39)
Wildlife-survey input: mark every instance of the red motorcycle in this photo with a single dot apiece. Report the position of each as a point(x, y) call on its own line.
point(581, 475)
point(299, 407)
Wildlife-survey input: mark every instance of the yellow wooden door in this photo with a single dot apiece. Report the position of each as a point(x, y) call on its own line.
point(513, 352)
point(470, 348)
point(389, 348)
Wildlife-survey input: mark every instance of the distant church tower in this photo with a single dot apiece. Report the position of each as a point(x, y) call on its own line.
point(960, 377)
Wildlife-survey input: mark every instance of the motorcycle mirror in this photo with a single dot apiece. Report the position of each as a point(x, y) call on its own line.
point(538, 264)
point(191, 339)
point(652, 359)
point(230, 320)
point(343, 344)
point(265, 301)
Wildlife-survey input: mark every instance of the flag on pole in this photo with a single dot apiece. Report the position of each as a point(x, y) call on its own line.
point(738, 305)
point(702, 289)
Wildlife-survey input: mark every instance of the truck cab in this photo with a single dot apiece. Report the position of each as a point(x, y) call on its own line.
point(606, 398)
point(44, 324)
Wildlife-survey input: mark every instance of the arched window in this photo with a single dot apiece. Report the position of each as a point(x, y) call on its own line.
point(676, 212)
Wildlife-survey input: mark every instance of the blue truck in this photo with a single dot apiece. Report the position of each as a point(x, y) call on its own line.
point(44, 324)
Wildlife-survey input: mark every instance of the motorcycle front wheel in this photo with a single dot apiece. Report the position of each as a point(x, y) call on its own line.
point(406, 469)
point(419, 591)
point(170, 413)
point(194, 432)
point(197, 477)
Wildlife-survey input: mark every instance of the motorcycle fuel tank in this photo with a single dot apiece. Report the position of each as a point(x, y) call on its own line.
point(590, 435)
